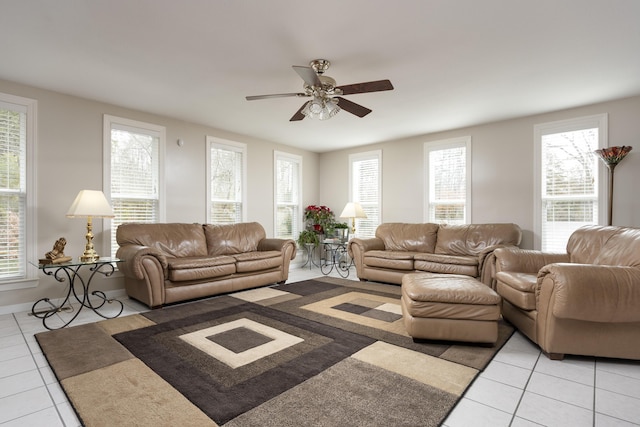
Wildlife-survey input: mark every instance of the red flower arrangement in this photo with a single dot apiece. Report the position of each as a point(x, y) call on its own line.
point(319, 217)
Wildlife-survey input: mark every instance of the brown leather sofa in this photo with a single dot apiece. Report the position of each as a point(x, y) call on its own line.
point(167, 263)
point(401, 248)
point(583, 302)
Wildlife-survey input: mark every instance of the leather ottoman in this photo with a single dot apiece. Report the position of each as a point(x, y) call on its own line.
point(449, 307)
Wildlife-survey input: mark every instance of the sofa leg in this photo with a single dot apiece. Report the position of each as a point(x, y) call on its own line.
point(282, 282)
point(554, 356)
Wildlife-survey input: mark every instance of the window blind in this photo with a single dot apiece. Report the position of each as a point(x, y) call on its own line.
point(134, 178)
point(447, 185)
point(366, 191)
point(13, 137)
point(287, 185)
point(569, 190)
point(226, 185)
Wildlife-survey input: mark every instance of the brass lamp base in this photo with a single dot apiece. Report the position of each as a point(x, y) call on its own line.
point(89, 254)
point(85, 257)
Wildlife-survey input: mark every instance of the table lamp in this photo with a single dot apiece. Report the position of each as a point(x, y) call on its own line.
point(90, 204)
point(353, 210)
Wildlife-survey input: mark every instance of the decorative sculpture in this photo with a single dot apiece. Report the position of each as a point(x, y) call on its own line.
point(56, 255)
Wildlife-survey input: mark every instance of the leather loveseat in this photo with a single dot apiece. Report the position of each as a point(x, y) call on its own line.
point(585, 301)
point(401, 248)
point(167, 263)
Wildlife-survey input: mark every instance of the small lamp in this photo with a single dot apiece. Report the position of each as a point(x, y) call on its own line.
point(89, 204)
point(611, 157)
point(353, 210)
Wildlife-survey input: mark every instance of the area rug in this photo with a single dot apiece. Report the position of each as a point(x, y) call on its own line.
point(322, 352)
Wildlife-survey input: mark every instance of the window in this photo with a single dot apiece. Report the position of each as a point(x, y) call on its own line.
point(226, 181)
point(448, 181)
point(288, 173)
point(17, 225)
point(133, 153)
point(567, 179)
point(366, 189)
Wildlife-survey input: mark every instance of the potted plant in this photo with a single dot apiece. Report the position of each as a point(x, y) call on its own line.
point(340, 231)
point(319, 218)
point(308, 237)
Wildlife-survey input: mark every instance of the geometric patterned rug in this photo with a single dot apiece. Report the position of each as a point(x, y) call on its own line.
point(320, 352)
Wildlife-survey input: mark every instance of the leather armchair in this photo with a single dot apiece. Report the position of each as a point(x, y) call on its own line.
point(584, 302)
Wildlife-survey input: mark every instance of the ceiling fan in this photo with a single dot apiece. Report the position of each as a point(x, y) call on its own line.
point(326, 100)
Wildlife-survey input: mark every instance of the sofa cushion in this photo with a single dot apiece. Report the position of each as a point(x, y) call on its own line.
point(230, 239)
point(257, 261)
point(473, 239)
point(173, 240)
point(448, 264)
point(447, 259)
point(395, 260)
point(517, 288)
point(408, 237)
point(197, 268)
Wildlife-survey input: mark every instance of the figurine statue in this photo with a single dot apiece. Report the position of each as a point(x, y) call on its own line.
point(56, 255)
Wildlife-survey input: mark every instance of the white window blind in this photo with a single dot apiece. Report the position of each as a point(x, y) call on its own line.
point(448, 181)
point(366, 189)
point(13, 195)
point(287, 198)
point(134, 173)
point(226, 182)
point(568, 180)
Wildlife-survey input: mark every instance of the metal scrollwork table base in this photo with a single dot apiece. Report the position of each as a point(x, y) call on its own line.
point(69, 272)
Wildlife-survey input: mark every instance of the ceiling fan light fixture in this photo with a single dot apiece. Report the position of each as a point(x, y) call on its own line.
point(321, 108)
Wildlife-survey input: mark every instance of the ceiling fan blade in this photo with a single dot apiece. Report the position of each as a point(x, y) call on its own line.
point(377, 86)
point(352, 107)
point(308, 75)
point(275, 95)
point(298, 115)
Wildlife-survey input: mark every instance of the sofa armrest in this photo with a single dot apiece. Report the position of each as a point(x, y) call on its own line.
point(487, 264)
point(594, 293)
point(356, 249)
point(360, 246)
point(282, 245)
point(525, 260)
point(133, 255)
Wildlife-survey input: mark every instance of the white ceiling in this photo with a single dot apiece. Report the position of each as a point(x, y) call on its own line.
point(453, 63)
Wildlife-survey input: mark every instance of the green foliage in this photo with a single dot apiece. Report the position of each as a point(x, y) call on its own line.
point(308, 237)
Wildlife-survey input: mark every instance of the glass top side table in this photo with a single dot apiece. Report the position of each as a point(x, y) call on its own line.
point(336, 256)
point(69, 272)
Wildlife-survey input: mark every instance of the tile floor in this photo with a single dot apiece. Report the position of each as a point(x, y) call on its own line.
point(519, 388)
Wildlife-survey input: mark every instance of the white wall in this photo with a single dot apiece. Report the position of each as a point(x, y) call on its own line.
point(69, 159)
point(502, 169)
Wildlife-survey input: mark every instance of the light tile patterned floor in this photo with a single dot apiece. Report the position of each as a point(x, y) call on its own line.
point(519, 388)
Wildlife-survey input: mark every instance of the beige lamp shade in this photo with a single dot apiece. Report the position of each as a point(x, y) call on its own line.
point(353, 210)
point(90, 203)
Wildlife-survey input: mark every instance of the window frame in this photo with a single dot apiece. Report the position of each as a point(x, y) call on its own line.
point(363, 156)
point(212, 141)
point(444, 144)
point(30, 277)
point(294, 158)
point(121, 123)
point(599, 121)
